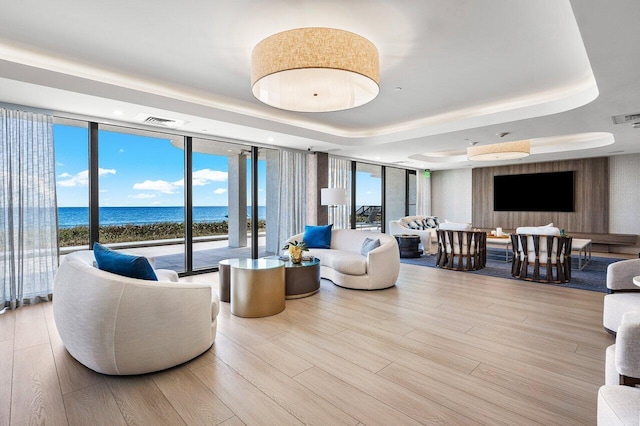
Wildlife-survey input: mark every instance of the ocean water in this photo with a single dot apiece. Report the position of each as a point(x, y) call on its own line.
point(69, 217)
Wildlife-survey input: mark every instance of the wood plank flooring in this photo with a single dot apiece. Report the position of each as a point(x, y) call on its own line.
point(441, 347)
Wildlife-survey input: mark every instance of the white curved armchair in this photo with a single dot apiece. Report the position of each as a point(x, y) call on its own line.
point(624, 296)
point(619, 398)
point(119, 325)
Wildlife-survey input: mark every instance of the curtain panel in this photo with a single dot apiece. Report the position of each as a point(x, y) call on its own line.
point(28, 219)
point(340, 177)
point(292, 207)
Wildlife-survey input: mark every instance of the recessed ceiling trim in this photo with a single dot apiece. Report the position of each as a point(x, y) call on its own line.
point(546, 145)
point(538, 104)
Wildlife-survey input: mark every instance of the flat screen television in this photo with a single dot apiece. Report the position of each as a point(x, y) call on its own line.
point(534, 192)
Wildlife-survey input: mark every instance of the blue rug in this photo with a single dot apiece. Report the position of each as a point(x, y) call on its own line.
point(592, 277)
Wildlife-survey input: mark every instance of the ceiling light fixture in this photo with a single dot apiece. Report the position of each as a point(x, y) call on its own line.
point(315, 70)
point(499, 151)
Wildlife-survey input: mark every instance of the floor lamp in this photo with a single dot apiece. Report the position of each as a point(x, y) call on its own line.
point(333, 197)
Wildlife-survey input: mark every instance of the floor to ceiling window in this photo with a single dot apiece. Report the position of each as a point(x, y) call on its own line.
point(72, 177)
point(368, 201)
point(221, 178)
point(141, 205)
point(268, 199)
point(141, 185)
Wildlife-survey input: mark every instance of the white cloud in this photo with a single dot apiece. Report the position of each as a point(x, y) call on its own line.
point(368, 192)
point(103, 172)
point(82, 178)
point(220, 191)
point(156, 185)
point(205, 177)
point(121, 151)
point(59, 163)
point(79, 179)
point(200, 178)
point(142, 196)
point(103, 190)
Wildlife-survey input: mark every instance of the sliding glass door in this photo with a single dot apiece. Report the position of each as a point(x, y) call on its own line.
point(72, 178)
point(220, 179)
point(141, 181)
point(368, 201)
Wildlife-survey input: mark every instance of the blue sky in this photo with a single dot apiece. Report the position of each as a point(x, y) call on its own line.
point(138, 171)
point(144, 171)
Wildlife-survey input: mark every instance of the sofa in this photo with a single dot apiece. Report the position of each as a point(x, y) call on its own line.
point(423, 226)
point(624, 296)
point(345, 266)
point(619, 399)
point(118, 325)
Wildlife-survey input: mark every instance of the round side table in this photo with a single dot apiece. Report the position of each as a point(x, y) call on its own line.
point(257, 287)
point(301, 279)
point(409, 245)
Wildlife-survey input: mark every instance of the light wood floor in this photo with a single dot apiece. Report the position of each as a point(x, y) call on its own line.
point(441, 347)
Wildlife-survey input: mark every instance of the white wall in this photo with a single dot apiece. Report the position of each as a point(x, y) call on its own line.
point(451, 195)
point(624, 194)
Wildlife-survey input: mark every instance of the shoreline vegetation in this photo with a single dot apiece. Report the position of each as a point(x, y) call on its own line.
point(79, 235)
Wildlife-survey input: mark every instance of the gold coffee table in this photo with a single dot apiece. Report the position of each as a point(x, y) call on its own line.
point(257, 287)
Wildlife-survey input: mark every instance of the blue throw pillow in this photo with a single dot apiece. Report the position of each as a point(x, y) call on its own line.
point(317, 236)
point(123, 264)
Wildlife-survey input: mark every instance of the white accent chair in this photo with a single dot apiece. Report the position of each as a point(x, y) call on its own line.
point(619, 399)
point(401, 226)
point(120, 326)
point(624, 297)
point(345, 266)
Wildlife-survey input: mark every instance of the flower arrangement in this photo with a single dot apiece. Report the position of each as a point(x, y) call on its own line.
point(295, 249)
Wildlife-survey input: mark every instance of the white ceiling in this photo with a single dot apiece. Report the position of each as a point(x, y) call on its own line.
point(553, 71)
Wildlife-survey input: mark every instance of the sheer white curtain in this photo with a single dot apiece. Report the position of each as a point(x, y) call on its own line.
point(292, 208)
point(340, 177)
point(28, 218)
point(423, 199)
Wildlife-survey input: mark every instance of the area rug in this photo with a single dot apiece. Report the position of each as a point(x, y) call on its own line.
point(592, 277)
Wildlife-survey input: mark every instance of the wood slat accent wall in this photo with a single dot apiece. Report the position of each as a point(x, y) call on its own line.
point(591, 197)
